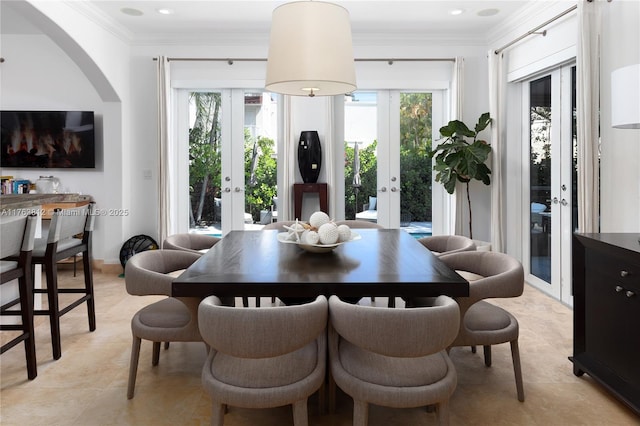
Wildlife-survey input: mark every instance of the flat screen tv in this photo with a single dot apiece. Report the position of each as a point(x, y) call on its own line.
point(48, 139)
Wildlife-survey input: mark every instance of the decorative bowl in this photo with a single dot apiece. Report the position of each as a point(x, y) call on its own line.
point(316, 248)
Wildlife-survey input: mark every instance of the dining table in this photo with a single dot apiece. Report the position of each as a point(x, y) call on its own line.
point(379, 262)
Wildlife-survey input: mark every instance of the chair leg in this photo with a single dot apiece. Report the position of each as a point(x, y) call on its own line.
point(166, 345)
point(332, 394)
point(300, 413)
point(54, 308)
point(517, 370)
point(156, 353)
point(88, 285)
point(245, 301)
point(442, 411)
point(25, 285)
point(133, 366)
point(217, 414)
point(322, 398)
point(360, 413)
point(487, 355)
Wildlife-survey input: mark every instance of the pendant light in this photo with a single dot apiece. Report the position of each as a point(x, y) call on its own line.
point(310, 50)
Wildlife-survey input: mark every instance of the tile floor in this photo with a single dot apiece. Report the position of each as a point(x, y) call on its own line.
point(87, 386)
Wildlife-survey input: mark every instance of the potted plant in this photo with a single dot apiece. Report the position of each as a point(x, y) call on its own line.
point(458, 160)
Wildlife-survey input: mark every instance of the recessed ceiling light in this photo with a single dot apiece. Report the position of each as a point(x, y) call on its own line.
point(488, 12)
point(165, 11)
point(456, 12)
point(131, 11)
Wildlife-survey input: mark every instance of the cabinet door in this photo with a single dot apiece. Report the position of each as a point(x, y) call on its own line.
point(611, 333)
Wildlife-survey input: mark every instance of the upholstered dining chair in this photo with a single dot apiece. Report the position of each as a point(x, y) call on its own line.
point(168, 320)
point(359, 224)
point(69, 233)
point(18, 234)
point(393, 357)
point(482, 323)
point(195, 243)
point(263, 357)
point(445, 244)
point(279, 226)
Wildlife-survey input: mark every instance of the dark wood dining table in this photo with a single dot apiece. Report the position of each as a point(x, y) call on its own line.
point(383, 262)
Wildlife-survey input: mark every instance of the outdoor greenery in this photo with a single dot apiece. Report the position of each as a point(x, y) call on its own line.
point(260, 174)
point(261, 164)
point(457, 160)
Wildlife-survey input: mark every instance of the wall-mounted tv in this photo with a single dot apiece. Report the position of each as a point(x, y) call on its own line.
point(48, 139)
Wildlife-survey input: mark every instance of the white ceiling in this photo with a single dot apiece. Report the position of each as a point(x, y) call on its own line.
point(202, 18)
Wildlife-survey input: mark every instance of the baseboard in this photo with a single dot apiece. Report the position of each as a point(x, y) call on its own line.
point(98, 265)
point(107, 268)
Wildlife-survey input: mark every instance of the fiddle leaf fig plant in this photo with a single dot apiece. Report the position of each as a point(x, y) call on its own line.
point(459, 160)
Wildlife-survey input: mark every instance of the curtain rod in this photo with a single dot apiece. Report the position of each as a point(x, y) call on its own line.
point(534, 31)
point(390, 61)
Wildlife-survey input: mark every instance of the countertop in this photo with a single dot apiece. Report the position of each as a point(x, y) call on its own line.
point(22, 201)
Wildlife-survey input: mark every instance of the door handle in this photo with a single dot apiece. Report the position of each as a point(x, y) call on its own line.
point(383, 189)
point(564, 202)
point(227, 189)
point(555, 200)
point(238, 189)
point(394, 189)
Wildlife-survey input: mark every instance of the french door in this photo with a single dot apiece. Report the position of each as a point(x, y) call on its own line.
point(393, 130)
point(227, 163)
point(550, 179)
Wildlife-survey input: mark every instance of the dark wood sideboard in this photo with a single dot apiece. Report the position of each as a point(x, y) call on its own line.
point(606, 312)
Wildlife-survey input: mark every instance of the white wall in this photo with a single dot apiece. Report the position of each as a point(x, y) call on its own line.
point(620, 159)
point(38, 75)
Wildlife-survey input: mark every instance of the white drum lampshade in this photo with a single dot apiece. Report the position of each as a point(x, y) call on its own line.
point(625, 97)
point(310, 50)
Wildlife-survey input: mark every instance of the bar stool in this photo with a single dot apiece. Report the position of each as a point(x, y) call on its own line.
point(17, 243)
point(60, 243)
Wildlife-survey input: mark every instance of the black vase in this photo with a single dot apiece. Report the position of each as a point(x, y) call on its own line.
point(309, 156)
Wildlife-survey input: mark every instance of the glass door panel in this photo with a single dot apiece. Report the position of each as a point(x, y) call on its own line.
point(205, 162)
point(540, 178)
point(260, 159)
point(416, 132)
point(552, 201)
point(361, 169)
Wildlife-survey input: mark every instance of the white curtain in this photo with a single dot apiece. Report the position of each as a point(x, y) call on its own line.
point(164, 169)
point(457, 101)
point(287, 162)
point(497, 89)
point(329, 153)
point(588, 102)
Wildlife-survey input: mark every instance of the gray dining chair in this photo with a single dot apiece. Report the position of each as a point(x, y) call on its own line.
point(18, 234)
point(359, 224)
point(263, 357)
point(445, 244)
point(168, 320)
point(278, 225)
point(195, 243)
point(393, 357)
point(482, 323)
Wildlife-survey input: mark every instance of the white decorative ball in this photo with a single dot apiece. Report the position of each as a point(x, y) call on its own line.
point(344, 233)
point(318, 219)
point(310, 237)
point(328, 233)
